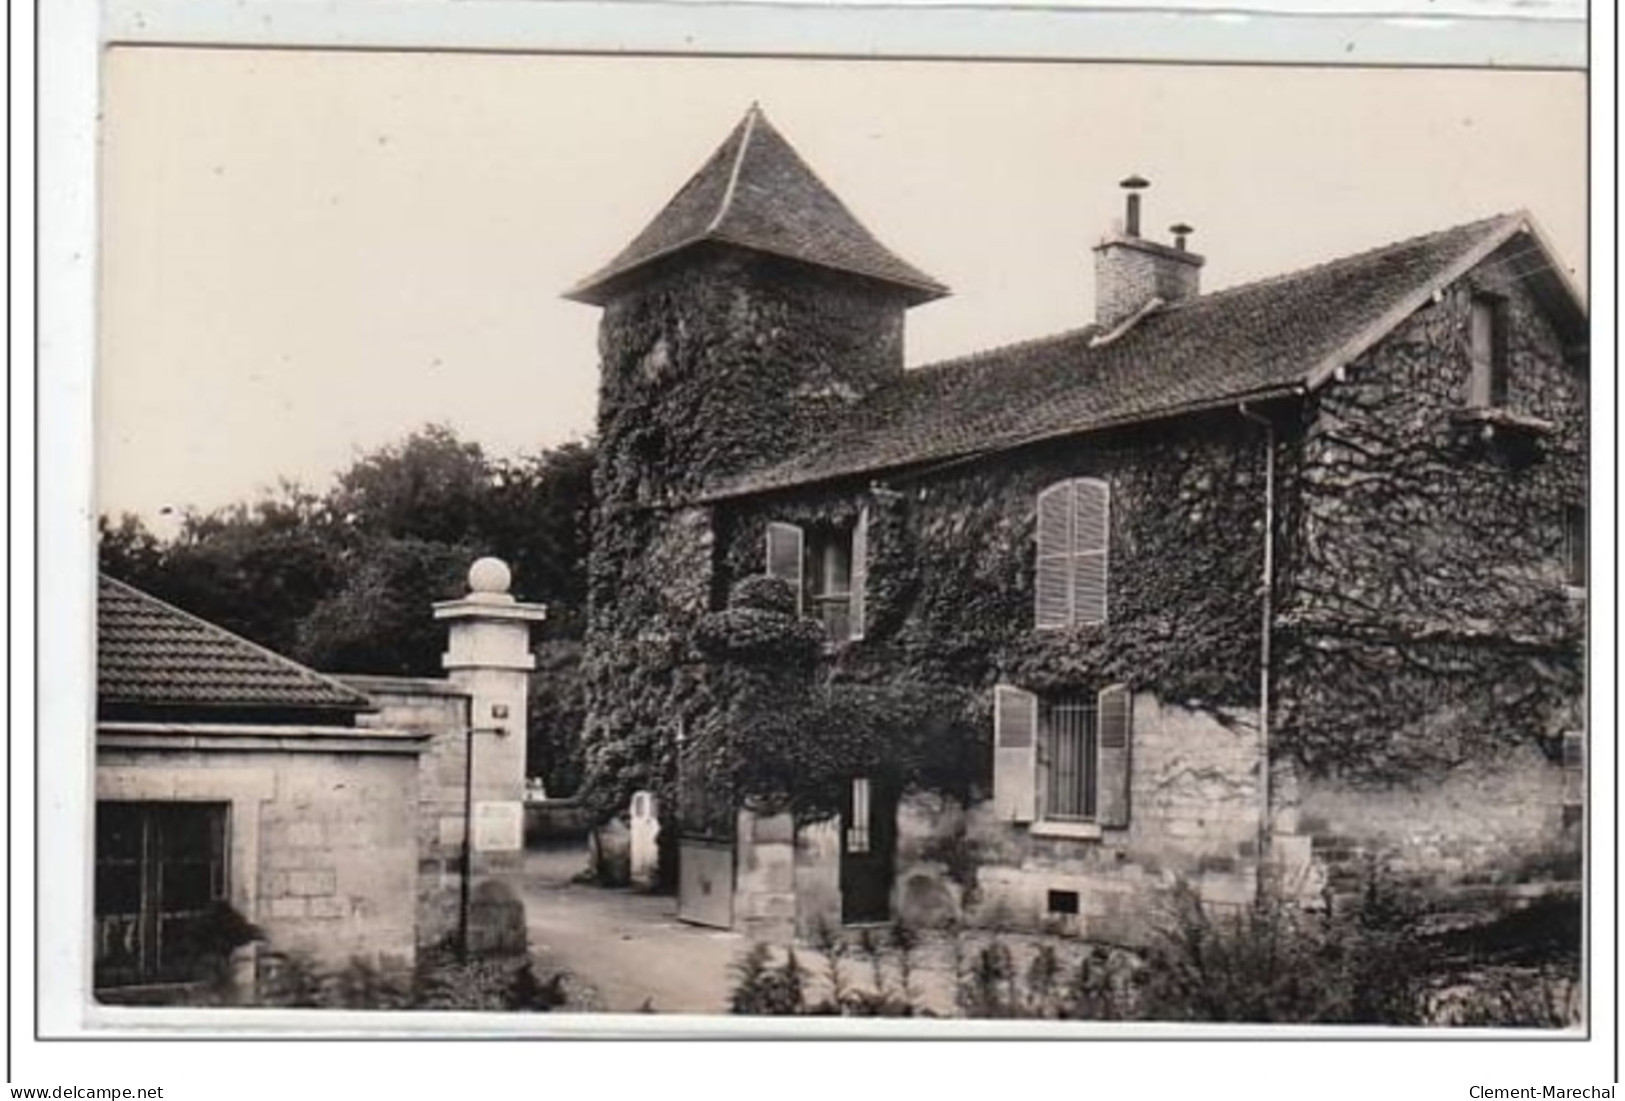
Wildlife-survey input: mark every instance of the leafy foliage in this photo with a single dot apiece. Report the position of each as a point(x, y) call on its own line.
point(440, 980)
point(343, 580)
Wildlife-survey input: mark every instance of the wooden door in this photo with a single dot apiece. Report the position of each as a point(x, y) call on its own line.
point(160, 874)
point(868, 849)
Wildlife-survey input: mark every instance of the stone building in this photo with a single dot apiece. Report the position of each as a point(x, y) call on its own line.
point(236, 786)
point(1231, 589)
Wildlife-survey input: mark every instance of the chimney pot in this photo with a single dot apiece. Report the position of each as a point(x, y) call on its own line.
point(1132, 271)
point(1131, 221)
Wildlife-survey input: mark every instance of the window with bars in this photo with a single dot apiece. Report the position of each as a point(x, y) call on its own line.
point(1072, 566)
point(161, 874)
point(1062, 758)
point(1067, 758)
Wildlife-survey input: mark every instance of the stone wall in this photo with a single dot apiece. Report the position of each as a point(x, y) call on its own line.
point(1429, 653)
point(323, 848)
point(434, 708)
point(1195, 806)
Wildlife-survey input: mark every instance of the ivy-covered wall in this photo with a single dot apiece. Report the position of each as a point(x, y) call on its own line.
point(731, 357)
point(950, 602)
point(711, 361)
point(1427, 645)
point(1420, 621)
point(951, 566)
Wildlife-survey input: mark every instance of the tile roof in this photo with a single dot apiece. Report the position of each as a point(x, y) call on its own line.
point(756, 192)
point(1269, 338)
point(153, 654)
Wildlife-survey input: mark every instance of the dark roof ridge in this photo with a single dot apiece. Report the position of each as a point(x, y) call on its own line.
point(356, 699)
point(1336, 261)
point(1280, 335)
point(970, 359)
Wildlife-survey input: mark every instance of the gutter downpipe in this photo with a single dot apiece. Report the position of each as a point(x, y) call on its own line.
point(1267, 593)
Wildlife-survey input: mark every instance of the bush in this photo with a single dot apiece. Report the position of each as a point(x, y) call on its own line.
point(1512, 998)
point(1274, 961)
point(439, 981)
point(761, 988)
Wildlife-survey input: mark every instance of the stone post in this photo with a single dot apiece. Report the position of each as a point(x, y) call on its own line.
point(488, 657)
point(645, 835)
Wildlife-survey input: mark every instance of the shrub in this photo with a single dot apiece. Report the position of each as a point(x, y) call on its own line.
point(1512, 998)
point(762, 988)
point(1274, 961)
point(439, 981)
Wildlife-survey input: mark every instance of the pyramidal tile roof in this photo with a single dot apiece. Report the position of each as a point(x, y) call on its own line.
point(1270, 338)
point(153, 654)
point(757, 193)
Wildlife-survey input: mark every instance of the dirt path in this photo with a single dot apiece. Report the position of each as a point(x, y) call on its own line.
point(629, 947)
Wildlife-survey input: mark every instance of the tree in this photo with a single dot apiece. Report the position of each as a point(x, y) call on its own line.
point(344, 580)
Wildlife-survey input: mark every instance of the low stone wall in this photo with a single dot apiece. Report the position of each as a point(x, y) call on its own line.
point(1482, 836)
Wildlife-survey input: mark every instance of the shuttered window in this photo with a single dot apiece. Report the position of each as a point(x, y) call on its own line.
point(828, 567)
point(1062, 759)
point(1074, 536)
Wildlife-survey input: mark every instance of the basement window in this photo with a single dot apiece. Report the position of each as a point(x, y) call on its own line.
point(1062, 902)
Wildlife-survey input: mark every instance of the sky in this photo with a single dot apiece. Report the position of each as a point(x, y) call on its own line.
point(306, 255)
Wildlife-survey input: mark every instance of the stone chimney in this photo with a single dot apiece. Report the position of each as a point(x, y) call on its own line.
point(1131, 271)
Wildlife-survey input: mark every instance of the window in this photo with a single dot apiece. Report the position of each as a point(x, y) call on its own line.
point(1067, 758)
point(160, 877)
point(1074, 530)
point(1062, 759)
point(829, 581)
point(828, 568)
point(1487, 340)
point(1574, 546)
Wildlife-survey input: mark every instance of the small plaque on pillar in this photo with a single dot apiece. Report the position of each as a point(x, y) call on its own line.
point(499, 827)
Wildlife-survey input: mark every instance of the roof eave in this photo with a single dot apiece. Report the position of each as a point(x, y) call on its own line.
point(598, 289)
point(963, 455)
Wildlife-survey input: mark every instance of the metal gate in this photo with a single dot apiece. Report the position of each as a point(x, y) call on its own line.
point(705, 882)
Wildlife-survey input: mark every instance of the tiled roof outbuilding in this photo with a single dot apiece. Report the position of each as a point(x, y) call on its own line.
point(151, 654)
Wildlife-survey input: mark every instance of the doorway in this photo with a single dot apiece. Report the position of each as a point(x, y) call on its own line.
point(868, 847)
point(160, 874)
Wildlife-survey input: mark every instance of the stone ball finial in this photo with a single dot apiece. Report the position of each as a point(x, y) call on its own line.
point(489, 575)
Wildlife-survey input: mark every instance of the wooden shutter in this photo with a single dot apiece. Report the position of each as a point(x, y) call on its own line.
point(1091, 536)
point(1114, 713)
point(1052, 582)
point(1015, 754)
point(785, 550)
point(860, 574)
